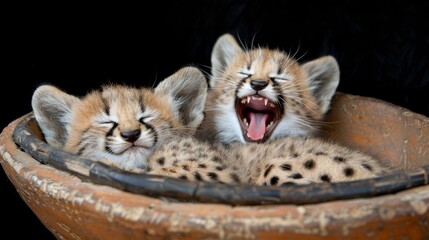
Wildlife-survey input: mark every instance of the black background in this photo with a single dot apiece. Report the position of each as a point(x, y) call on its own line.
point(382, 48)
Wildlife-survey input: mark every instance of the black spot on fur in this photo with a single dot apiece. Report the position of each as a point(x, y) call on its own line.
point(286, 167)
point(339, 159)
point(267, 171)
point(367, 167)
point(192, 159)
point(309, 164)
point(325, 178)
point(197, 176)
point(274, 180)
point(185, 167)
point(348, 171)
point(296, 176)
point(203, 155)
point(187, 145)
point(161, 161)
point(184, 177)
point(212, 175)
point(216, 159)
point(235, 178)
point(174, 148)
point(320, 153)
point(294, 155)
point(220, 168)
point(202, 165)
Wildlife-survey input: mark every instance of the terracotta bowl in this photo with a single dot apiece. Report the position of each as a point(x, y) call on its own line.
point(396, 206)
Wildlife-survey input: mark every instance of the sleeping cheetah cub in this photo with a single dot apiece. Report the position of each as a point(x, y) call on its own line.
point(261, 94)
point(120, 125)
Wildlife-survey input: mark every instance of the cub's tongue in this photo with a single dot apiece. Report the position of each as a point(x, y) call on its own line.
point(257, 125)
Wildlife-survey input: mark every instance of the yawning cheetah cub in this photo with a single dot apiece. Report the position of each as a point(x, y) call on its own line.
point(260, 94)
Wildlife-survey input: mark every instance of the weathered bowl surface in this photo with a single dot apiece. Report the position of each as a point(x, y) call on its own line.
point(73, 209)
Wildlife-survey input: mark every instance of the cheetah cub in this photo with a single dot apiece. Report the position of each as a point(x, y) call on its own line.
point(261, 94)
point(121, 125)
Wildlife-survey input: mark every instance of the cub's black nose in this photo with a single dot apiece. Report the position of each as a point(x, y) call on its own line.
point(258, 84)
point(130, 136)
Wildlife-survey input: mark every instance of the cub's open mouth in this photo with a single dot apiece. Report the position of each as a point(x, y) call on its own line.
point(258, 117)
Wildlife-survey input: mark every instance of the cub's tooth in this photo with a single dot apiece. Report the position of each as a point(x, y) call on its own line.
point(248, 99)
point(270, 124)
point(272, 105)
point(245, 122)
point(243, 101)
point(266, 102)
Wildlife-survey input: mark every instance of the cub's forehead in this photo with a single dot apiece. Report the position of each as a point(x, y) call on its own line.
point(265, 56)
point(118, 99)
point(121, 93)
point(264, 61)
point(112, 95)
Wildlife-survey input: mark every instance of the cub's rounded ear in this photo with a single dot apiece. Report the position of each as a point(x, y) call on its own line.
point(323, 76)
point(53, 112)
point(224, 51)
point(187, 89)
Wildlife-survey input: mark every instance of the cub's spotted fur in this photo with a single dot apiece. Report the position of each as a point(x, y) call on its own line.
point(121, 125)
point(261, 94)
point(294, 160)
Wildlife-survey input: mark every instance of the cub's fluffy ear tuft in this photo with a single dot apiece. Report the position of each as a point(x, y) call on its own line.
point(224, 51)
point(187, 91)
point(53, 112)
point(324, 76)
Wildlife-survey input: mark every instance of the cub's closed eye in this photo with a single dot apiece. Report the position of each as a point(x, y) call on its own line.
point(243, 74)
point(145, 118)
point(108, 123)
point(280, 79)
